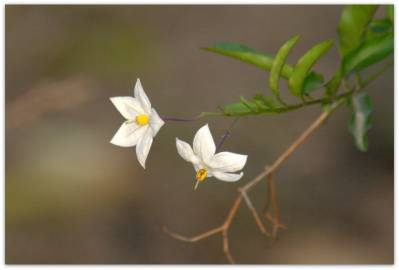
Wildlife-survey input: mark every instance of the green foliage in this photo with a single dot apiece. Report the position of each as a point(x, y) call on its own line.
point(278, 64)
point(332, 86)
point(236, 109)
point(303, 66)
point(249, 56)
point(364, 41)
point(263, 61)
point(390, 12)
point(368, 53)
point(353, 25)
point(313, 81)
point(360, 122)
point(381, 26)
point(259, 104)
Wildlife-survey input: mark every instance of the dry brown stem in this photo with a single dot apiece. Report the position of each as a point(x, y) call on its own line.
point(272, 215)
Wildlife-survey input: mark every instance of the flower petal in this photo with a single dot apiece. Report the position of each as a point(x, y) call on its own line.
point(228, 177)
point(228, 162)
point(186, 152)
point(128, 135)
point(143, 146)
point(156, 122)
point(204, 146)
point(129, 107)
point(142, 97)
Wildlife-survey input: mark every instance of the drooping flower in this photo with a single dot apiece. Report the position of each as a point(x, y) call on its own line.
point(206, 163)
point(141, 125)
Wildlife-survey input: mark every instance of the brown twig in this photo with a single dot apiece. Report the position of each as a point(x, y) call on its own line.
point(226, 248)
point(223, 229)
point(195, 238)
point(272, 200)
point(255, 214)
point(243, 193)
point(268, 173)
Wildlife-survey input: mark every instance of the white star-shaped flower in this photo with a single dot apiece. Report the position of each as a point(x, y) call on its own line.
point(206, 163)
point(141, 125)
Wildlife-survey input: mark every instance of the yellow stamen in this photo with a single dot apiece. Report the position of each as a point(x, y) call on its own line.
point(142, 119)
point(201, 175)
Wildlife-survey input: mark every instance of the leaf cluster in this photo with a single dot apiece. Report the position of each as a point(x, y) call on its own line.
point(363, 42)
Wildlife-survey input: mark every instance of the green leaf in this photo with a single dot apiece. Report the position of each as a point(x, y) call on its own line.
point(381, 26)
point(353, 24)
point(249, 56)
point(312, 82)
point(258, 105)
point(303, 66)
point(261, 60)
point(360, 122)
point(278, 64)
point(390, 12)
point(370, 52)
point(333, 85)
point(236, 109)
point(253, 107)
point(267, 102)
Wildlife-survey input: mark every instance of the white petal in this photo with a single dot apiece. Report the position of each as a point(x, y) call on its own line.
point(186, 152)
point(228, 162)
point(204, 146)
point(128, 135)
point(142, 97)
point(129, 107)
point(197, 166)
point(143, 146)
point(156, 122)
point(228, 177)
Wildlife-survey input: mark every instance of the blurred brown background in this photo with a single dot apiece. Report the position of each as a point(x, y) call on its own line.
point(72, 197)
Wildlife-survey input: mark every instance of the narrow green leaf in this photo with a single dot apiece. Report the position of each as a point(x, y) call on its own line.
point(268, 102)
point(360, 122)
point(236, 109)
point(313, 82)
point(260, 60)
point(249, 56)
point(258, 105)
point(370, 52)
point(250, 105)
point(303, 66)
point(278, 64)
point(353, 24)
point(390, 12)
point(333, 85)
point(381, 26)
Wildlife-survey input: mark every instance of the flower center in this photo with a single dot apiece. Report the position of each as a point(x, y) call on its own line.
point(142, 119)
point(201, 174)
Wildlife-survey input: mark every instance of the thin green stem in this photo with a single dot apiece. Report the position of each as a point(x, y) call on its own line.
point(309, 103)
point(289, 107)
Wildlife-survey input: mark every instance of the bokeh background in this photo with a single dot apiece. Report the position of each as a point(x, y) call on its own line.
point(72, 197)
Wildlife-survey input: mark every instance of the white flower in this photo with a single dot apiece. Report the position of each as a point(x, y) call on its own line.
point(141, 125)
point(206, 162)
